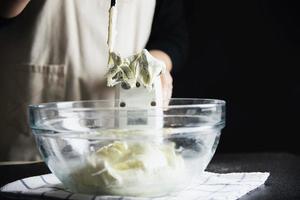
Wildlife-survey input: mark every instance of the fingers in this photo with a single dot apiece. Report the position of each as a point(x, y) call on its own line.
point(166, 78)
point(167, 87)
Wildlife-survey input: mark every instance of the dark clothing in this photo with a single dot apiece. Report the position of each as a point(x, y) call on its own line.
point(169, 31)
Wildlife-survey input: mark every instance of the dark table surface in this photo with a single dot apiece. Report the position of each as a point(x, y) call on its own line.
point(283, 183)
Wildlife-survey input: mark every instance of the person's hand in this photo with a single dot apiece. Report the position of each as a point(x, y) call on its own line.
point(167, 86)
point(166, 78)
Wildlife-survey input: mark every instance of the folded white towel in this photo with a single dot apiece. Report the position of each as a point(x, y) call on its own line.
point(210, 186)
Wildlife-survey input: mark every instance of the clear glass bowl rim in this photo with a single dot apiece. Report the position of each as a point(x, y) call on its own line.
point(178, 103)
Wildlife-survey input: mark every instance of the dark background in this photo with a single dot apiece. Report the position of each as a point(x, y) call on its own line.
point(247, 53)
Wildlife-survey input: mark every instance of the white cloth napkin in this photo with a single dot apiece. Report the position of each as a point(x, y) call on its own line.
point(210, 186)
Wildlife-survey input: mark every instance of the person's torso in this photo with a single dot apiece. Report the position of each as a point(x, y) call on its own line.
point(56, 51)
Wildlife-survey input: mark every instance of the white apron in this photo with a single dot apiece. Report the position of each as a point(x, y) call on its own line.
point(55, 51)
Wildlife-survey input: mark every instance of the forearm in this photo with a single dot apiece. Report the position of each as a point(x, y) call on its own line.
point(12, 8)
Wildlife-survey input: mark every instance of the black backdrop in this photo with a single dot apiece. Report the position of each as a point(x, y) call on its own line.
point(247, 53)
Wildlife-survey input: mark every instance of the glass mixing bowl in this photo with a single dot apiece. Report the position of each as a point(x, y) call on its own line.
point(99, 147)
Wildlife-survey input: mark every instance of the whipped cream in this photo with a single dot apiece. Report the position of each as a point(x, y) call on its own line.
point(131, 168)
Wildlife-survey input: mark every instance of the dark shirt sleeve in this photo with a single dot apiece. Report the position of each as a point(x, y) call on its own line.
point(169, 32)
point(4, 22)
